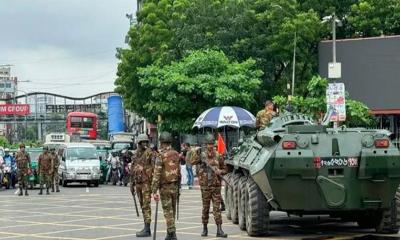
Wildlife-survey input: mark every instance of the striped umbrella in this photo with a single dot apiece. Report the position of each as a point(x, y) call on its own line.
point(217, 117)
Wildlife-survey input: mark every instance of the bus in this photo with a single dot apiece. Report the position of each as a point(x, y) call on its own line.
point(83, 124)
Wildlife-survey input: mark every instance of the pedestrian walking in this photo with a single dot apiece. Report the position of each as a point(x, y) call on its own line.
point(141, 178)
point(210, 166)
point(264, 116)
point(55, 180)
point(189, 168)
point(45, 169)
point(23, 169)
point(166, 180)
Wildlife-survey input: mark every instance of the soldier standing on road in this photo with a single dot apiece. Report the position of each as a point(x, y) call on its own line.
point(45, 169)
point(166, 179)
point(141, 177)
point(264, 116)
point(210, 183)
point(23, 168)
point(54, 177)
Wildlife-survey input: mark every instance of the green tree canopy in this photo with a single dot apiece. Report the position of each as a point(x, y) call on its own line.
point(182, 90)
point(314, 104)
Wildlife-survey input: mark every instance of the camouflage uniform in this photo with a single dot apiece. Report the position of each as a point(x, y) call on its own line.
point(54, 176)
point(263, 118)
point(210, 183)
point(46, 166)
point(23, 166)
point(166, 178)
point(141, 177)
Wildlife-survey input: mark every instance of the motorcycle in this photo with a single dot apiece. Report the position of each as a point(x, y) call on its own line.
point(10, 172)
point(126, 176)
point(114, 170)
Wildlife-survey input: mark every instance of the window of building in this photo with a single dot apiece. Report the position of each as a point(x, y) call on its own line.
point(2, 85)
point(8, 85)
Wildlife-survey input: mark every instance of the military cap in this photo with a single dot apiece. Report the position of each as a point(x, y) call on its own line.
point(22, 145)
point(142, 138)
point(209, 139)
point(165, 137)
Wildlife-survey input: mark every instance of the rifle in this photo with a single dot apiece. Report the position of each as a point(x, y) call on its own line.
point(134, 200)
point(213, 170)
point(177, 200)
point(155, 221)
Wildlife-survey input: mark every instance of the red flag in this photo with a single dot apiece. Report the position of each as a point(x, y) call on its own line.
point(221, 144)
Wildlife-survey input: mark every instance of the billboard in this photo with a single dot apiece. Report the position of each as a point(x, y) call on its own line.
point(14, 109)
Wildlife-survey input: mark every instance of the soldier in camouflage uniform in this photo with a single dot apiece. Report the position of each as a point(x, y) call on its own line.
point(210, 166)
point(54, 177)
point(141, 177)
point(23, 166)
point(166, 179)
point(45, 169)
point(264, 116)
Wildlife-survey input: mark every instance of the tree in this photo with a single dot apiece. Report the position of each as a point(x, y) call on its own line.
point(314, 104)
point(369, 18)
point(181, 90)
point(149, 43)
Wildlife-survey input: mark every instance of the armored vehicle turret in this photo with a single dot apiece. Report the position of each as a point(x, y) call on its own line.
point(299, 167)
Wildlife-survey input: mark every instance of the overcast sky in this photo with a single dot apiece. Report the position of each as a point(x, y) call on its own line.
point(63, 46)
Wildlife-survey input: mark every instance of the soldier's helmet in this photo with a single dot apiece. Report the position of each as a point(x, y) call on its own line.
point(165, 137)
point(142, 138)
point(22, 145)
point(209, 139)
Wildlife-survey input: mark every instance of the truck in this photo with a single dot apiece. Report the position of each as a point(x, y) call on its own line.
point(122, 140)
point(299, 167)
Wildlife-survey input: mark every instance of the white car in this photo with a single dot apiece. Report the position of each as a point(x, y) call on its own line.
point(79, 162)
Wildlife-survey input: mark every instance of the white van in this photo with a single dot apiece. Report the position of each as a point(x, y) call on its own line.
point(79, 162)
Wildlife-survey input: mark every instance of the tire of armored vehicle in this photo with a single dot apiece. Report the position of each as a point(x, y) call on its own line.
point(301, 168)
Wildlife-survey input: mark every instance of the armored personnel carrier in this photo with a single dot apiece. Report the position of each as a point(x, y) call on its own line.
point(302, 168)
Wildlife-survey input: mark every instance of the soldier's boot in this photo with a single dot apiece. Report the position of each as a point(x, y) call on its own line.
point(222, 205)
point(20, 191)
point(47, 191)
point(26, 191)
point(41, 190)
point(221, 233)
point(52, 187)
point(57, 188)
point(205, 231)
point(171, 236)
point(145, 232)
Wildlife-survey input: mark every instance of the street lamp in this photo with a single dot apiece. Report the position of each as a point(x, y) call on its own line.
point(332, 18)
point(294, 48)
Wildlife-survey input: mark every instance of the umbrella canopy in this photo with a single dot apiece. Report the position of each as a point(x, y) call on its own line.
point(217, 117)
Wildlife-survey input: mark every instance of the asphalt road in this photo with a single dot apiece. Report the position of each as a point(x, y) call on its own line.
point(107, 212)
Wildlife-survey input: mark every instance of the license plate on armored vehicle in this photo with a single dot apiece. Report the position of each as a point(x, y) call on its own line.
point(339, 162)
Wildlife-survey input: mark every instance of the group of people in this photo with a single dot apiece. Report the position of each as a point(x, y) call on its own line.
point(48, 164)
point(158, 175)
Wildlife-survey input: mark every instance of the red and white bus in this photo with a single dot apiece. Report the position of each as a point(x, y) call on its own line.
point(83, 124)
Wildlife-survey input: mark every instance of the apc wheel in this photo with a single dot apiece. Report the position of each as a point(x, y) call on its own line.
point(257, 211)
point(235, 198)
point(227, 197)
point(243, 200)
point(390, 222)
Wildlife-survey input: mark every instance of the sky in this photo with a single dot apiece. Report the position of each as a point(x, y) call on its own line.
point(63, 46)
